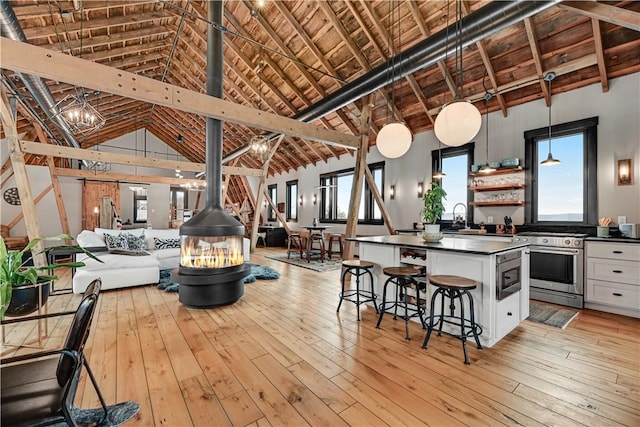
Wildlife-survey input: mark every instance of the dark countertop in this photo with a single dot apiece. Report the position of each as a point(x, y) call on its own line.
point(613, 239)
point(473, 246)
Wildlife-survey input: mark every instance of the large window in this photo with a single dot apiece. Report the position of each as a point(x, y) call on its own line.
point(564, 193)
point(273, 194)
point(456, 164)
point(335, 196)
point(292, 200)
point(179, 203)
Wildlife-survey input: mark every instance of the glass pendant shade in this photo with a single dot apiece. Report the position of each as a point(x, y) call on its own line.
point(394, 140)
point(457, 123)
point(550, 161)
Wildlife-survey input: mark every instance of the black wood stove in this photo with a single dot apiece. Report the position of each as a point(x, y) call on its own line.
point(212, 268)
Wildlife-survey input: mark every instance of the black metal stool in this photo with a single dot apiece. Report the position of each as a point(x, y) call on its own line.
point(357, 268)
point(403, 278)
point(334, 238)
point(295, 239)
point(453, 287)
point(315, 238)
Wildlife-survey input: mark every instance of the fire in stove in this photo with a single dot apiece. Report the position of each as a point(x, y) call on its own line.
point(210, 251)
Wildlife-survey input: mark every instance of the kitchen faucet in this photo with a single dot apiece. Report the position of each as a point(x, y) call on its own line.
point(455, 220)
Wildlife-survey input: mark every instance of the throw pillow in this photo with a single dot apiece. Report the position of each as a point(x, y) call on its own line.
point(166, 243)
point(116, 241)
point(136, 243)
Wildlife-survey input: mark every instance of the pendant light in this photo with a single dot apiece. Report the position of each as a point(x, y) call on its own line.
point(487, 168)
point(550, 161)
point(259, 144)
point(394, 139)
point(459, 121)
point(439, 174)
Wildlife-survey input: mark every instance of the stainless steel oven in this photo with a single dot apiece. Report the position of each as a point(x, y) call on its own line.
point(508, 268)
point(556, 267)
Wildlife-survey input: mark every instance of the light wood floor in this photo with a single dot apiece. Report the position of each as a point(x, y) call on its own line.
point(282, 356)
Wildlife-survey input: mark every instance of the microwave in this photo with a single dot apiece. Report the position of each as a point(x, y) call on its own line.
point(630, 230)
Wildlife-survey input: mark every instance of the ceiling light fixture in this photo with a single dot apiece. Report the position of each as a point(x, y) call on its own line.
point(459, 121)
point(394, 139)
point(550, 161)
point(259, 144)
point(487, 168)
point(179, 139)
point(82, 117)
point(439, 174)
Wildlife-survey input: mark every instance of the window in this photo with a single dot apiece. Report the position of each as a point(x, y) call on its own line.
point(565, 193)
point(179, 203)
point(456, 164)
point(140, 205)
point(273, 195)
point(335, 196)
point(292, 200)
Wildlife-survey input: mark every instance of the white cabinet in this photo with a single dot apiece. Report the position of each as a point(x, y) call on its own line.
point(507, 315)
point(613, 277)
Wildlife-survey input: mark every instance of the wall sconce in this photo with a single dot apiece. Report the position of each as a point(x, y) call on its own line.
point(300, 200)
point(625, 172)
point(392, 192)
point(420, 190)
point(315, 199)
point(264, 203)
point(96, 211)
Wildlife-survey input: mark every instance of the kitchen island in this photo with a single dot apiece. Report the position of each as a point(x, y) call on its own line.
point(472, 258)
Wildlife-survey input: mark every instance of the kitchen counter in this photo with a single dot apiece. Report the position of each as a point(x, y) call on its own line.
point(467, 256)
point(457, 244)
point(612, 239)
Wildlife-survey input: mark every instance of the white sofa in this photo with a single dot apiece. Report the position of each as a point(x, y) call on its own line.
point(120, 271)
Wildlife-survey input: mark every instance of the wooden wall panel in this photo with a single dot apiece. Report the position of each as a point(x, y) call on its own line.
point(92, 194)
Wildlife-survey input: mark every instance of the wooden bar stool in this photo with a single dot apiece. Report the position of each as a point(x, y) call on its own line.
point(295, 240)
point(334, 238)
point(403, 278)
point(315, 245)
point(357, 268)
point(454, 288)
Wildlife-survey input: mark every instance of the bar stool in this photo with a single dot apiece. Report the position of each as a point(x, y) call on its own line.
point(403, 278)
point(334, 238)
point(454, 288)
point(315, 238)
point(262, 235)
point(357, 267)
point(295, 239)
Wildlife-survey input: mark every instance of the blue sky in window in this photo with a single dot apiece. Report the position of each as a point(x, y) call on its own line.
point(560, 187)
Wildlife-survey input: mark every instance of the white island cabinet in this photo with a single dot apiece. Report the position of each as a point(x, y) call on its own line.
point(470, 258)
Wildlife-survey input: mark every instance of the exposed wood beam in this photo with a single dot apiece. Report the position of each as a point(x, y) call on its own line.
point(602, 66)
point(121, 177)
point(34, 60)
point(375, 191)
point(22, 178)
point(604, 12)
point(126, 159)
point(537, 58)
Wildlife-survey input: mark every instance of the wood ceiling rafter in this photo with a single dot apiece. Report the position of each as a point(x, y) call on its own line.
point(535, 51)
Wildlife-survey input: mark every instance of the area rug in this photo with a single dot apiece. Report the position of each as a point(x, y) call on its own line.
point(258, 271)
point(116, 415)
point(315, 264)
point(550, 314)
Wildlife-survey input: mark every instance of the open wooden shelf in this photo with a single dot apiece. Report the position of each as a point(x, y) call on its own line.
point(500, 171)
point(499, 203)
point(499, 187)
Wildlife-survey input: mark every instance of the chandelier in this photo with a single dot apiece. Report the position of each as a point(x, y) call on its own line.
point(82, 117)
point(259, 145)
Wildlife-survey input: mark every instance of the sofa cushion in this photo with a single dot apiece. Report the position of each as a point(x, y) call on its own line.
point(135, 231)
point(167, 258)
point(116, 241)
point(170, 233)
point(136, 243)
point(165, 243)
point(90, 239)
point(113, 261)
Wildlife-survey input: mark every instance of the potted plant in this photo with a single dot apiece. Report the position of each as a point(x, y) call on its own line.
point(18, 295)
point(432, 211)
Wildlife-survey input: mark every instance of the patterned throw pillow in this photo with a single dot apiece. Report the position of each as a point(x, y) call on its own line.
point(116, 241)
point(166, 243)
point(136, 243)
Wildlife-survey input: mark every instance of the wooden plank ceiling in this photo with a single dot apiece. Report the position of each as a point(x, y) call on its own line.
point(285, 56)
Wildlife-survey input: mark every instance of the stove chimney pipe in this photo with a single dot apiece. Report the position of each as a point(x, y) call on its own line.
point(214, 88)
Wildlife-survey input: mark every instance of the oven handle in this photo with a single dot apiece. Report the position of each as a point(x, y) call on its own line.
point(555, 251)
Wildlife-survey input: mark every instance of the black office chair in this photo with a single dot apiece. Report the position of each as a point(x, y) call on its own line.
point(39, 389)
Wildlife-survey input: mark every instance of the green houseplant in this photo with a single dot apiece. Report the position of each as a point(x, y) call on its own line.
point(17, 275)
point(432, 211)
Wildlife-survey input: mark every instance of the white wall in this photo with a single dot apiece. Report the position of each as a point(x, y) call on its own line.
point(618, 137)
